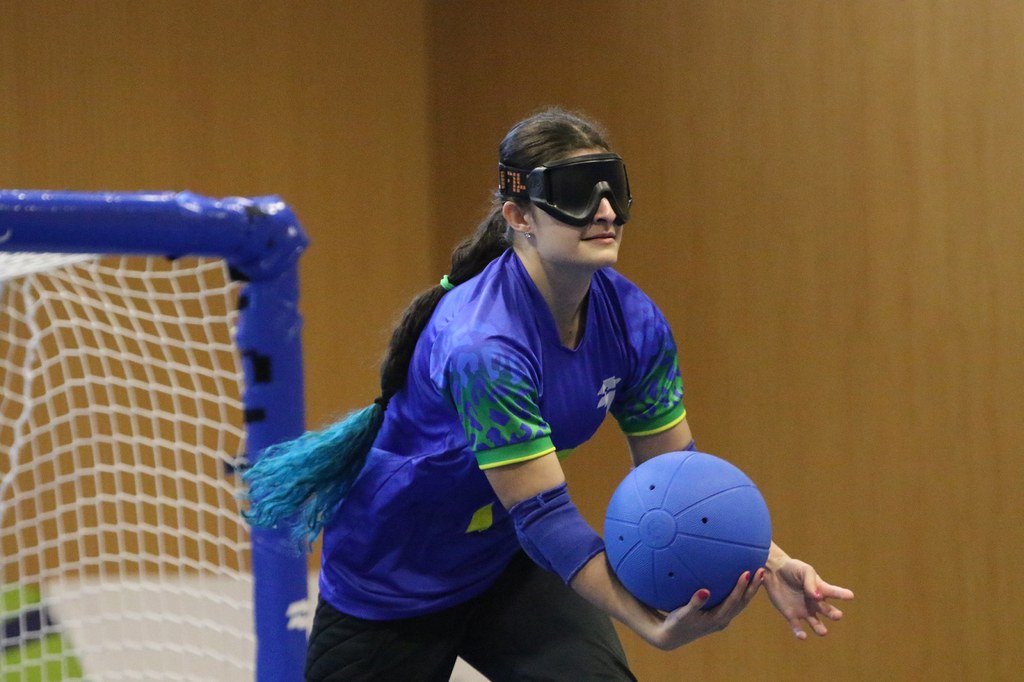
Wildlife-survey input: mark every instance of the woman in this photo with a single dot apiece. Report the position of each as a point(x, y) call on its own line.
point(448, 528)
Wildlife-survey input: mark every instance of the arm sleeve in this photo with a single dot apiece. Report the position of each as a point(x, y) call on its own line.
point(553, 534)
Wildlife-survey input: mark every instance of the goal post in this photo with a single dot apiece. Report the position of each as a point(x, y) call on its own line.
point(256, 242)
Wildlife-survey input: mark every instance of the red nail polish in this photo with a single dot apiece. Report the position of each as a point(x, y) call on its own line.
point(703, 594)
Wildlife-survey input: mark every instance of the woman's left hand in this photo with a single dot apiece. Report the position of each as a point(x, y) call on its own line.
point(800, 595)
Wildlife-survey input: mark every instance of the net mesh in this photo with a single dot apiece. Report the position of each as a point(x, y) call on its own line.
point(124, 555)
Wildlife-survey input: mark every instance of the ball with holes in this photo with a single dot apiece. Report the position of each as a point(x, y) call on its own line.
point(683, 521)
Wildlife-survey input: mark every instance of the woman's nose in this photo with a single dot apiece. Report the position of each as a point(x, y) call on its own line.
point(605, 213)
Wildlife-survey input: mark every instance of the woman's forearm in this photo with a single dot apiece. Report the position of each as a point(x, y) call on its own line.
point(596, 583)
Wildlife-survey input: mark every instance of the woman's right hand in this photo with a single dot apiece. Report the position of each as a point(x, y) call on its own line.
point(598, 584)
point(689, 622)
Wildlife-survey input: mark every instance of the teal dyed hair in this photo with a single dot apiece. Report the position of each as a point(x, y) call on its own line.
point(310, 475)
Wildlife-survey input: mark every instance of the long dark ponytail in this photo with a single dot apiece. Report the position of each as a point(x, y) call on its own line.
point(312, 474)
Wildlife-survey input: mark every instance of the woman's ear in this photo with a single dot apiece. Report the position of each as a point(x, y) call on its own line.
point(516, 217)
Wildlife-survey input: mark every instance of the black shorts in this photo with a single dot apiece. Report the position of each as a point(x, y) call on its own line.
point(528, 626)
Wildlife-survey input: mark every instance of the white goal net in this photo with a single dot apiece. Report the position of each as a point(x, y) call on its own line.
point(123, 555)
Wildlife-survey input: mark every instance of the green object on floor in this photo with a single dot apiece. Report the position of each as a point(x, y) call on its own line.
point(34, 648)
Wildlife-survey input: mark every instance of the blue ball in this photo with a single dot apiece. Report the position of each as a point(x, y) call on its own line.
point(683, 521)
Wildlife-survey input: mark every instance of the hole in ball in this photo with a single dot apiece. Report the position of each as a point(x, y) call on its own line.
point(671, 574)
point(704, 520)
point(652, 486)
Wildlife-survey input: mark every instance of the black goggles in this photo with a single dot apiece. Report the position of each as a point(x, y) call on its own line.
point(571, 190)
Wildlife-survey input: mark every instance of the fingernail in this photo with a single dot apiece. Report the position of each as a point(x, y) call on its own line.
point(703, 594)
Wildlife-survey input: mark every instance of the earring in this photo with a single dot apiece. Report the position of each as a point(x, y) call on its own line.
point(528, 235)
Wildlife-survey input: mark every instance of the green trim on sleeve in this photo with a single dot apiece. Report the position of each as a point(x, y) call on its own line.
point(661, 423)
point(517, 452)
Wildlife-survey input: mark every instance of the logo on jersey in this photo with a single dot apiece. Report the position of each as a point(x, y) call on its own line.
point(606, 395)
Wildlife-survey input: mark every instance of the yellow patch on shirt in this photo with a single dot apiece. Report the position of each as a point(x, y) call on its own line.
point(483, 518)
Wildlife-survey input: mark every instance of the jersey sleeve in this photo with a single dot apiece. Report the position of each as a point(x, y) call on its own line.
point(653, 400)
point(494, 388)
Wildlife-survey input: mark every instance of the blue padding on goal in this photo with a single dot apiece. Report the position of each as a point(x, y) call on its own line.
point(269, 328)
point(258, 236)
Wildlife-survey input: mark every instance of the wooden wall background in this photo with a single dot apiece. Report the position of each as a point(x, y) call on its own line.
point(828, 209)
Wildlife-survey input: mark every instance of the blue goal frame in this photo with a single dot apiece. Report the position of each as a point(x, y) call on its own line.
point(261, 241)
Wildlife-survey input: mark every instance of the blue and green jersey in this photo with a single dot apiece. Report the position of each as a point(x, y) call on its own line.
point(490, 384)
